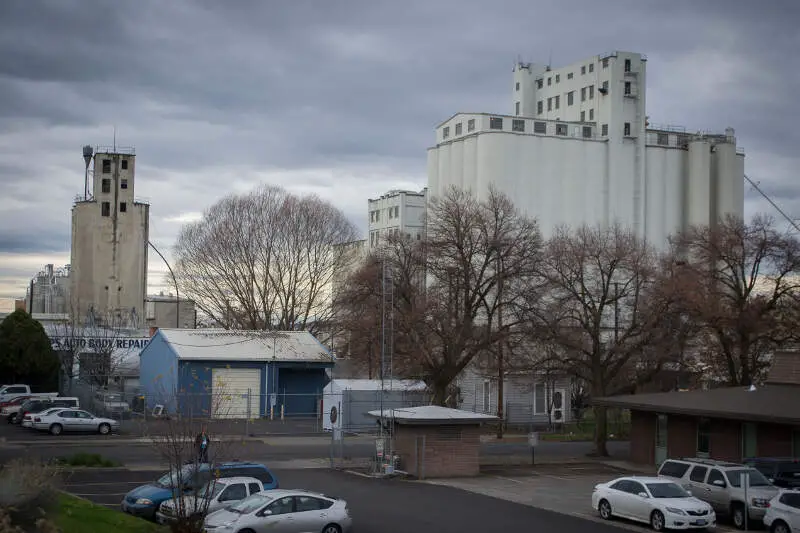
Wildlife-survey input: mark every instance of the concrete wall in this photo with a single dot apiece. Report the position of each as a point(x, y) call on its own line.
point(445, 451)
point(397, 212)
point(162, 313)
point(109, 253)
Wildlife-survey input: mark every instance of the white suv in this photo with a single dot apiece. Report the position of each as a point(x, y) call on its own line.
point(783, 515)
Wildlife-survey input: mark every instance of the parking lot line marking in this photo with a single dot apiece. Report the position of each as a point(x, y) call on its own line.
point(509, 479)
point(558, 477)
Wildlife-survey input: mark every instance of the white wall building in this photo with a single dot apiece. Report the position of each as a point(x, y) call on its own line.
point(396, 212)
point(109, 239)
point(579, 149)
point(48, 291)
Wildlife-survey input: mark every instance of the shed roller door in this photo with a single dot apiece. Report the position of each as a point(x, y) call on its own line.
point(229, 392)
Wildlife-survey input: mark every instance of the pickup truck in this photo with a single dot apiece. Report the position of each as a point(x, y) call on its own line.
point(8, 392)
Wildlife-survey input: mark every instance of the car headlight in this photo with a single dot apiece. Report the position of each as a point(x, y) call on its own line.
point(760, 502)
point(144, 501)
point(675, 510)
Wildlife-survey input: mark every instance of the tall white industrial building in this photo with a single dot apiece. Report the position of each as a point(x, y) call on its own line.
point(579, 149)
point(110, 232)
point(396, 212)
point(48, 291)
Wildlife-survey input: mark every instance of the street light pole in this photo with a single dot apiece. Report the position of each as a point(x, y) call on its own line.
point(175, 282)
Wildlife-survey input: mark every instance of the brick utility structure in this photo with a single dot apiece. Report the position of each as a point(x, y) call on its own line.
point(434, 441)
point(730, 423)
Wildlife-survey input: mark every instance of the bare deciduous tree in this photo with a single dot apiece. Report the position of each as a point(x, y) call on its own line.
point(264, 260)
point(600, 305)
point(738, 282)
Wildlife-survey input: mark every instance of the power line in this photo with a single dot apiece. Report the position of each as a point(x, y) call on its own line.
point(772, 203)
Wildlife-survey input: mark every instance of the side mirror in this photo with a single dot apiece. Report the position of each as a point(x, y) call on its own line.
point(719, 483)
point(689, 492)
point(643, 495)
point(265, 512)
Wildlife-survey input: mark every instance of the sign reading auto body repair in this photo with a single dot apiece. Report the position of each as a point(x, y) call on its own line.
point(124, 343)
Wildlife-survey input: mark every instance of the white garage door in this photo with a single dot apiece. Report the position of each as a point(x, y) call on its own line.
point(229, 392)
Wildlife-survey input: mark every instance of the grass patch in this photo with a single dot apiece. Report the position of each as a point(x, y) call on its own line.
point(80, 516)
point(87, 459)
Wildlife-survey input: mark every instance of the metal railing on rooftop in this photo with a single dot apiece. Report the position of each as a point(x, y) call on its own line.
point(126, 150)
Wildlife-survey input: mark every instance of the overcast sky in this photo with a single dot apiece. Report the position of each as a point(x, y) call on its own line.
point(341, 98)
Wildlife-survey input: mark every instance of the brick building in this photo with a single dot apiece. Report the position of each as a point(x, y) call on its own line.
point(434, 441)
point(728, 424)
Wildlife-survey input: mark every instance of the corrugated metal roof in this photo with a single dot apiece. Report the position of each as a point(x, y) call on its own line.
point(208, 344)
point(433, 414)
point(375, 384)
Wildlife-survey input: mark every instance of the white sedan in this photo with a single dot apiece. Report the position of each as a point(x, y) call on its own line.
point(656, 501)
point(57, 421)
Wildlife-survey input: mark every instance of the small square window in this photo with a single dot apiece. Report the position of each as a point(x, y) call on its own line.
point(446, 132)
point(569, 75)
point(662, 139)
point(458, 129)
point(105, 185)
point(540, 107)
point(570, 97)
point(516, 108)
point(105, 209)
point(549, 104)
point(123, 183)
point(549, 81)
point(496, 123)
point(558, 78)
point(583, 116)
point(583, 70)
point(627, 88)
point(626, 130)
point(471, 124)
point(591, 67)
point(605, 62)
point(587, 132)
point(518, 125)
point(558, 102)
point(539, 83)
point(124, 164)
point(627, 65)
point(604, 130)
point(591, 92)
point(106, 166)
point(561, 129)
point(540, 127)
point(517, 86)
point(591, 115)
point(123, 207)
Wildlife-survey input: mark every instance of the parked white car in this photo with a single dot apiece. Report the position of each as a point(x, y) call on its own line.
point(287, 511)
point(213, 496)
point(656, 501)
point(73, 420)
point(783, 514)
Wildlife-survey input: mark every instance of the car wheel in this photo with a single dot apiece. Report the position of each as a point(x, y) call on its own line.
point(331, 528)
point(12, 418)
point(737, 513)
point(779, 526)
point(56, 429)
point(605, 510)
point(104, 429)
point(657, 521)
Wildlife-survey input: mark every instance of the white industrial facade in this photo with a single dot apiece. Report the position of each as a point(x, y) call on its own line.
point(396, 212)
point(579, 150)
point(109, 240)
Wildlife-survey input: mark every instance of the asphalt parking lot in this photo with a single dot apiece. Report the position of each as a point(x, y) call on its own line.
point(564, 489)
point(379, 506)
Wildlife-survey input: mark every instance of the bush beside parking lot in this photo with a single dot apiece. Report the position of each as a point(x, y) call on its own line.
point(87, 459)
point(76, 515)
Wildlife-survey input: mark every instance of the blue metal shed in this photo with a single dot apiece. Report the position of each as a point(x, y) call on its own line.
point(235, 374)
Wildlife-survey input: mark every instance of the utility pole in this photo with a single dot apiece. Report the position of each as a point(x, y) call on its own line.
point(500, 355)
point(616, 312)
point(175, 282)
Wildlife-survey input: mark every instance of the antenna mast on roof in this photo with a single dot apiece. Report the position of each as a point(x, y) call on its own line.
point(115, 138)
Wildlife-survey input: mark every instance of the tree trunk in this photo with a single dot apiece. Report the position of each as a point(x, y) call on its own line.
point(600, 431)
point(439, 394)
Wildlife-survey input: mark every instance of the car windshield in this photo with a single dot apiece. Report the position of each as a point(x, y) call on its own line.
point(667, 490)
point(171, 479)
point(211, 489)
point(757, 479)
point(250, 504)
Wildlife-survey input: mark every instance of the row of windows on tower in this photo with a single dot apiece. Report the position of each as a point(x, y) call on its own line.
point(107, 165)
point(604, 62)
point(105, 185)
point(105, 208)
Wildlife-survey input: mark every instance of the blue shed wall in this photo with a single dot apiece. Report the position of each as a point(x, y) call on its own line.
point(158, 373)
point(195, 385)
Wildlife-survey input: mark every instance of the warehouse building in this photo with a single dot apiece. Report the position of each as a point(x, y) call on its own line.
point(235, 374)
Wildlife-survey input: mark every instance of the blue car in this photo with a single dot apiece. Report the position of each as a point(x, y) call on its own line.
point(144, 501)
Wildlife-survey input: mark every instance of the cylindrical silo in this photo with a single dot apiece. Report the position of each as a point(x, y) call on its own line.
point(728, 198)
point(699, 183)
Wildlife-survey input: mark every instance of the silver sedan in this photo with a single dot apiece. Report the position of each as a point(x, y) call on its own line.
point(73, 420)
point(287, 511)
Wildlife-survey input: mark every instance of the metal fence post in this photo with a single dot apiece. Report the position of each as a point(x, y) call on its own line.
point(249, 412)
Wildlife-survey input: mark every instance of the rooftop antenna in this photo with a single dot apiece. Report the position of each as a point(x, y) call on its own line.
point(87, 158)
point(550, 59)
point(115, 138)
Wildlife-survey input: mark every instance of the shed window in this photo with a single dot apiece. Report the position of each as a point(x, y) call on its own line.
point(703, 437)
